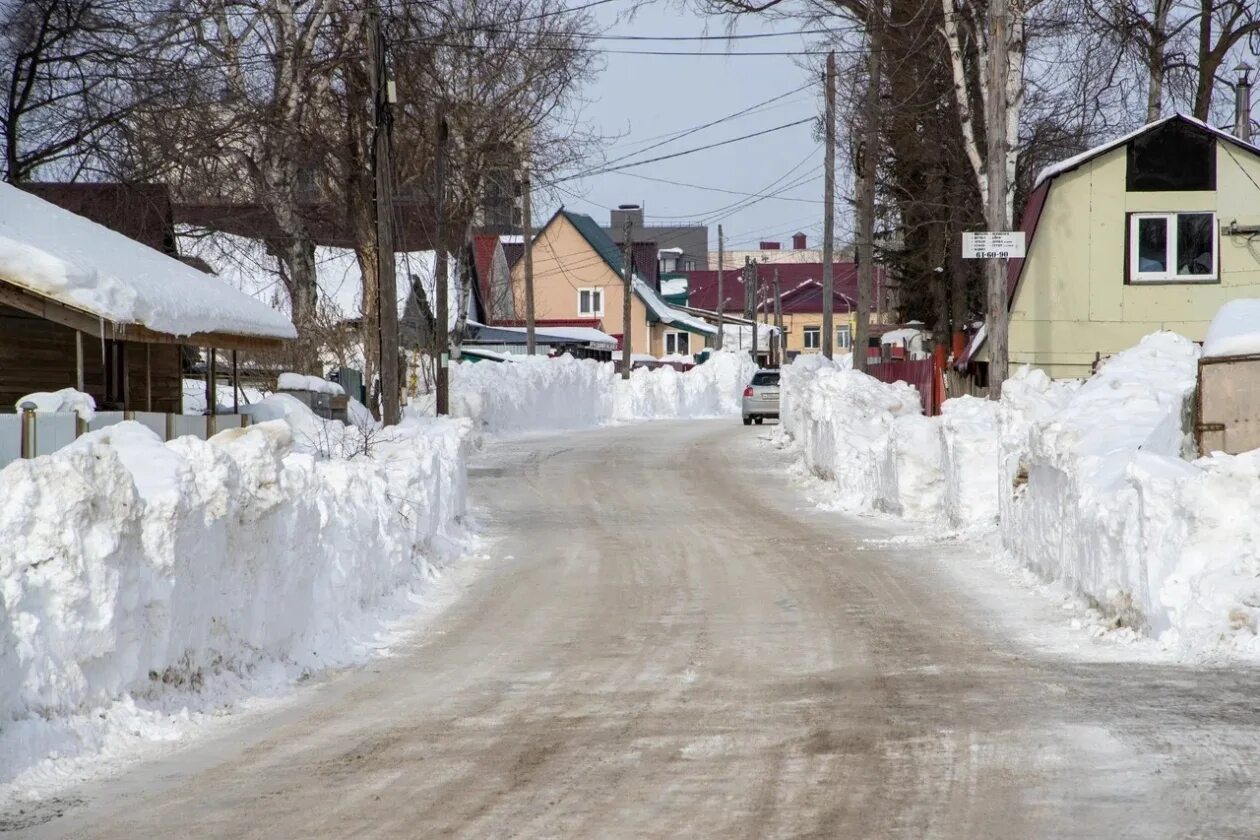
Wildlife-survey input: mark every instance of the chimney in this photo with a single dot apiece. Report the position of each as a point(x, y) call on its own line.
point(618, 220)
point(798, 241)
point(1242, 103)
point(769, 246)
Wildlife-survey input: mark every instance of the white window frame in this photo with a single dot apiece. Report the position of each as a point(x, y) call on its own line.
point(674, 334)
point(1170, 257)
point(596, 292)
point(816, 332)
point(845, 343)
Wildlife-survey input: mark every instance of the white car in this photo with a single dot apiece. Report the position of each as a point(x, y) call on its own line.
point(761, 397)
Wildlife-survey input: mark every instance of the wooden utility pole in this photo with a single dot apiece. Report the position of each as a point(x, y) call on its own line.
point(995, 127)
point(721, 302)
point(780, 347)
point(868, 160)
point(627, 271)
point(829, 200)
point(750, 294)
point(527, 217)
point(441, 282)
point(382, 165)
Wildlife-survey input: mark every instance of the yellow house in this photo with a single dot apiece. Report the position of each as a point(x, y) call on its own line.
point(578, 276)
point(1153, 231)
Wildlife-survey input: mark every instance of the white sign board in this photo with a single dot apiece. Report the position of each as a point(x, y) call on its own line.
point(987, 245)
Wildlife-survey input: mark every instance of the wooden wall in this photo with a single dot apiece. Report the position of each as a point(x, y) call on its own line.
point(39, 355)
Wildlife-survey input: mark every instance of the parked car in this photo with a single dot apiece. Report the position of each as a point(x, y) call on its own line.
point(761, 397)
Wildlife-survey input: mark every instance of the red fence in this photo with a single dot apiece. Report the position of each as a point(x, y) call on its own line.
point(923, 374)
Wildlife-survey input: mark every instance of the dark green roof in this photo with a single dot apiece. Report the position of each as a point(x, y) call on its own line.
point(600, 241)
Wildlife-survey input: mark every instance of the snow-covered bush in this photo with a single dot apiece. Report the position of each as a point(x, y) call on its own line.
point(539, 393)
point(130, 564)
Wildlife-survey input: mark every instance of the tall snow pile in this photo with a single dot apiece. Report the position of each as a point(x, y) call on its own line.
point(1089, 501)
point(969, 461)
point(792, 381)
point(1234, 330)
point(863, 435)
point(67, 399)
point(133, 567)
point(538, 393)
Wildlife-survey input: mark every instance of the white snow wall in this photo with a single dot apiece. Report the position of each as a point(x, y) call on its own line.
point(541, 394)
point(1088, 483)
point(128, 563)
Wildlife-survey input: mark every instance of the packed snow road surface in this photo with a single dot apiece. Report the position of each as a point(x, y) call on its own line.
point(675, 644)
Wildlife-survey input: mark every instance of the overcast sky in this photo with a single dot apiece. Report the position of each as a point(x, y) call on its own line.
point(639, 98)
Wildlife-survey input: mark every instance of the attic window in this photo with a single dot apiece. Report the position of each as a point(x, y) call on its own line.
point(1174, 157)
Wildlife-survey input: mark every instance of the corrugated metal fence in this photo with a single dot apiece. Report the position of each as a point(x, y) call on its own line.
point(923, 374)
point(31, 434)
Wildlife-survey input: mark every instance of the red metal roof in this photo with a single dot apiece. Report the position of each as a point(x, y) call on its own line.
point(800, 286)
point(595, 323)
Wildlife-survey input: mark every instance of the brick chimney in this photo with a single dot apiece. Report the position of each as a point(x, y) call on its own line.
point(798, 241)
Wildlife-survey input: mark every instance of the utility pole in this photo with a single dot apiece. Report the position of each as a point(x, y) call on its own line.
point(829, 201)
point(867, 160)
point(996, 324)
point(383, 97)
point(751, 290)
point(627, 272)
point(527, 218)
point(780, 349)
point(441, 282)
point(721, 301)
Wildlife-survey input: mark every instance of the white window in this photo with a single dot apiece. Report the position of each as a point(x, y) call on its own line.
point(677, 342)
point(591, 302)
point(843, 340)
point(1172, 247)
point(813, 338)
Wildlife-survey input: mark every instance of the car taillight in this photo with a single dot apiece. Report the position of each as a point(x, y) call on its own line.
point(748, 392)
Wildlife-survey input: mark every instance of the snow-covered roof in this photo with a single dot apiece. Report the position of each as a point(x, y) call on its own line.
point(1076, 160)
point(668, 314)
point(588, 335)
point(1235, 330)
point(674, 286)
point(64, 257)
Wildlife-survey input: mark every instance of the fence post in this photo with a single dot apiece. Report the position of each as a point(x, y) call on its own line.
point(170, 427)
point(28, 430)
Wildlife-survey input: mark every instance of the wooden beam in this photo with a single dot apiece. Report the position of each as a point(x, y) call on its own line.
point(148, 377)
point(126, 375)
point(33, 304)
point(223, 341)
point(236, 386)
point(211, 388)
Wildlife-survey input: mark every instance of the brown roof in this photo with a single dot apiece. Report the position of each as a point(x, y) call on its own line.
point(414, 230)
point(140, 211)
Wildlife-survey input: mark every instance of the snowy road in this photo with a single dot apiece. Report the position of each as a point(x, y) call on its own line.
point(677, 645)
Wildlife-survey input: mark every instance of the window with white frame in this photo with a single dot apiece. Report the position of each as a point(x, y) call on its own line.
point(677, 343)
point(843, 340)
point(591, 302)
point(813, 338)
point(1172, 247)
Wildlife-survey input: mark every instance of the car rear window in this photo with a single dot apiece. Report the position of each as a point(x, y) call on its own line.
point(765, 379)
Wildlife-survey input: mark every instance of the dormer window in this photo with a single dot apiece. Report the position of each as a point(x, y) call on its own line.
point(1174, 157)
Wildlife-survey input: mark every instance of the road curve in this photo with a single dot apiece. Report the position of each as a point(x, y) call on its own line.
point(678, 647)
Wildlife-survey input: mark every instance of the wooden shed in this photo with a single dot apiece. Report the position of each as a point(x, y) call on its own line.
point(86, 307)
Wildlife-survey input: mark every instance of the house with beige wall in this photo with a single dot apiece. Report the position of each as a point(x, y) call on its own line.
point(578, 275)
point(1153, 231)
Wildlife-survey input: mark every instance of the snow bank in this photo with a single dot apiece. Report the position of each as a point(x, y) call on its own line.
point(1091, 484)
point(299, 382)
point(134, 567)
point(1089, 506)
point(538, 393)
point(67, 399)
point(862, 435)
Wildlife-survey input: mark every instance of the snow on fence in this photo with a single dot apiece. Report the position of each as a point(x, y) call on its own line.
point(34, 433)
point(1090, 484)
